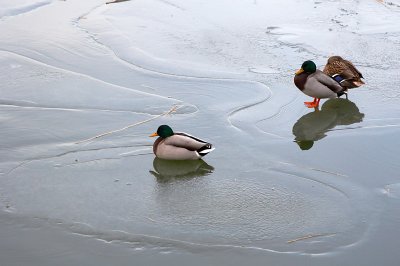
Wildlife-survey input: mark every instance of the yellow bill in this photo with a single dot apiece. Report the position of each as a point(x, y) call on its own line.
point(298, 72)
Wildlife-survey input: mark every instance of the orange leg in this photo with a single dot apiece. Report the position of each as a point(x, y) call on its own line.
point(313, 104)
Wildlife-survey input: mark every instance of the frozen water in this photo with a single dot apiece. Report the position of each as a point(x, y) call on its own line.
point(284, 184)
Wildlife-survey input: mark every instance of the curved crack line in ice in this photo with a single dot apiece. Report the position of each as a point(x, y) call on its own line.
point(27, 161)
point(100, 159)
point(5, 101)
point(32, 60)
point(18, 166)
point(382, 119)
point(132, 153)
point(176, 243)
point(282, 107)
point(21, 10)
point(311, 236)
point(112, 236)
point(69, 109)
point(327, 172)
point(145, 69)
point(314, 169)
point(242, 108)
point(92, 139)
point(288, 172)
point(143, 240)
point(341, 191)
point(86, 162)
point(172, 5)
point(337, 189)
point(126, 62)
point(363, 127)
point(68, 51)
point(383, 126)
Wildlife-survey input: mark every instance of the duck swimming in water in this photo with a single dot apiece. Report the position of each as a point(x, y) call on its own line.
point(172, 145)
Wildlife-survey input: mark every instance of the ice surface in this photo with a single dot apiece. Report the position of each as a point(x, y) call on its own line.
point(72, 70)
point(16, 7)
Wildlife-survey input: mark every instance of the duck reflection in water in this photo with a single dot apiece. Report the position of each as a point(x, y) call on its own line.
point(170, 170)
point(313, 126)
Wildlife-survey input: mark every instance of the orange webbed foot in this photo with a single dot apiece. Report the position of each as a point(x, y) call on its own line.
point(313, 104)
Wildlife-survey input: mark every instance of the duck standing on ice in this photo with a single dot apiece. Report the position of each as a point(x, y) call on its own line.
point(344, 72)
point(317, 84)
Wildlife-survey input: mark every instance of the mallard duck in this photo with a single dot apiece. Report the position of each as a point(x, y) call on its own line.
point(172, 145)
point(317, 84)
point(344, 72)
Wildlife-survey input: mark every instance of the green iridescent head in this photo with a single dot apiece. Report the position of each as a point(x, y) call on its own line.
point(308, 67)
point(163, 131)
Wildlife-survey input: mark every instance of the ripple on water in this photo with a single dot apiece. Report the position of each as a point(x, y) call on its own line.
point(266, 215)
point(261, 210)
